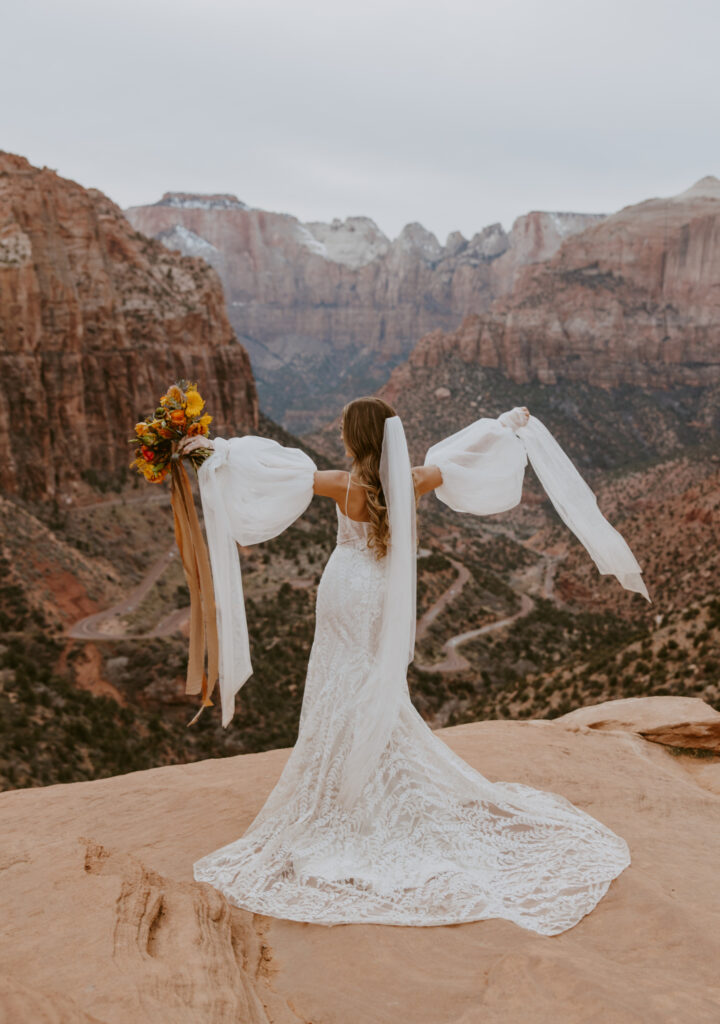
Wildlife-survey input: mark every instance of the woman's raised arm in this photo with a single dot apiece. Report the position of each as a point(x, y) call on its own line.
point(330, 483)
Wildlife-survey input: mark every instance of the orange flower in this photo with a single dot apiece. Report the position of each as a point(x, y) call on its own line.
point(194, 429)
point(177, 417)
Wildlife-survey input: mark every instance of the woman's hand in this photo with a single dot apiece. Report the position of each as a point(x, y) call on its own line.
point(515, 418)
point(187, 445)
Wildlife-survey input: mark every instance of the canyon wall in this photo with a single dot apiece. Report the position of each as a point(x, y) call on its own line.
point(326, 310)
point(95, 321)
point(632, 300)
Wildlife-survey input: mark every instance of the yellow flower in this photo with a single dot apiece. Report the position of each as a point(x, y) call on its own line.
point(140, 428)
point(205, 420)
point(194, 403)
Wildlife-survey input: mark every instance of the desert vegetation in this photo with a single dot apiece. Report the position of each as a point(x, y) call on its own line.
point(80, 709)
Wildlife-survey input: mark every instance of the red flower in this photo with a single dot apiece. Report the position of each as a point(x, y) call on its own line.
point(147, 454)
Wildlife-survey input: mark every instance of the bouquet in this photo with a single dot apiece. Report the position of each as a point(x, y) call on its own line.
point(179, 414)
point(157, 439)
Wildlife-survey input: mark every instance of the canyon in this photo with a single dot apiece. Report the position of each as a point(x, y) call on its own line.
point(97, 318)
point(326, 310)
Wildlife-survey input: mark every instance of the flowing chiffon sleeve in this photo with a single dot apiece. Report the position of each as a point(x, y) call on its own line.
point(482, 469)
point(252, 488)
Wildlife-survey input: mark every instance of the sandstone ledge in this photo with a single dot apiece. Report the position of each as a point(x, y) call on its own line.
point(104, 923)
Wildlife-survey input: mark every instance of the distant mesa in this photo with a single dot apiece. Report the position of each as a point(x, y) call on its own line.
point(198, 201)
point(706, 188)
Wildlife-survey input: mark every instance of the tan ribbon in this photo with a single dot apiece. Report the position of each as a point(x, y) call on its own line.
point(196, 563)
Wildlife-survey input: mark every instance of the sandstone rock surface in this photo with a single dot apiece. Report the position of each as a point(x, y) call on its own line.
point(677, 722)
point(95, 321)
point(103, 922)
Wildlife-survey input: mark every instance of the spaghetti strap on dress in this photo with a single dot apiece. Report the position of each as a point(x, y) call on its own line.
point(347, 494)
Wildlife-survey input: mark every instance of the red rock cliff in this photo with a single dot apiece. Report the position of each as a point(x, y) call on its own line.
point(634, 299)
point(95, 321)
point(321, 306)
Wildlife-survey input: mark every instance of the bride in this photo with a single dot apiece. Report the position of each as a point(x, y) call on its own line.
point(374, 819)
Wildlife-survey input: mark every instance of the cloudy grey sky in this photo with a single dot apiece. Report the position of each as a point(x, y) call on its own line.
point(456, 113)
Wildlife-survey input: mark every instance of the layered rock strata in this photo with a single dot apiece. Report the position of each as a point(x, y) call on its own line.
point(95, 321)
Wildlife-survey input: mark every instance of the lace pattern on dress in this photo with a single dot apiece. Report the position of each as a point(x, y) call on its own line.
point(431, 841)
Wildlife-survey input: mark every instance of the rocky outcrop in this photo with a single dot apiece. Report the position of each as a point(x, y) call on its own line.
point(633, 299)
point(327, 309)
point(108, 866)
point(95, 321)
point(683, 723)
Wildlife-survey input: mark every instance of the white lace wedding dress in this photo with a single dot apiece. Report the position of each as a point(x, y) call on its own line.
point(430, 841)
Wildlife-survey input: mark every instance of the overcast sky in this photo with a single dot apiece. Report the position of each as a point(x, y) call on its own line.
point(455, 114)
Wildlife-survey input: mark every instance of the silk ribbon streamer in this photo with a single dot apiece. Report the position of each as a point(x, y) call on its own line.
point(576, 504)
point(196, 564)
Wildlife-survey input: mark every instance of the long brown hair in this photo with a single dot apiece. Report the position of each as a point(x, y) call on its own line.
point(363, 426)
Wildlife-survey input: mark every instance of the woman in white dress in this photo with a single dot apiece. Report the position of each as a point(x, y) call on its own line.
point(374, 818)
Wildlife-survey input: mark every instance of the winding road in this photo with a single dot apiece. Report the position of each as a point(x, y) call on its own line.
point(104, 625)
point(453, 660)
point(107, 624)
point(445, 598)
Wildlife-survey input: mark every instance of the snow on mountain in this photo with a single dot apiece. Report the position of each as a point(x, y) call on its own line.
point(354, 242)
point(193, 201)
